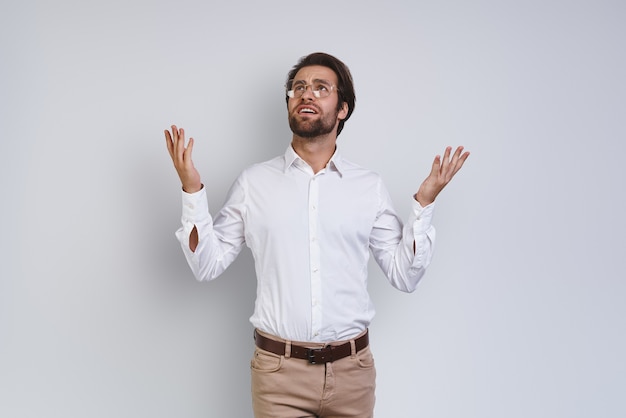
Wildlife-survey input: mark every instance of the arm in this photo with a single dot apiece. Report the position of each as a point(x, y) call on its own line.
point(189, 176)
point(219, 240)
point(402, 252)
point(405, 262)
point(209, 246)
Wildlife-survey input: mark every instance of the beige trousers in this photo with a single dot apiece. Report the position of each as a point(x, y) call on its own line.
point(285, 387)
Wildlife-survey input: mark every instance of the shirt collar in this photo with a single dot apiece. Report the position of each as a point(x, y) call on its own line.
point(335, 162)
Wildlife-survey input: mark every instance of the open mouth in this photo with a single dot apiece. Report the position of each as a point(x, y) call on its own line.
point(306, 110)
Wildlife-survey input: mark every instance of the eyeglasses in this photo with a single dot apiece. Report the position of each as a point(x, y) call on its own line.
point(319, 88)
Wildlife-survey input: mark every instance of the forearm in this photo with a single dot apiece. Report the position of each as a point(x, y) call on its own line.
point(405, 259)
point(208, 248)
point(411, 260)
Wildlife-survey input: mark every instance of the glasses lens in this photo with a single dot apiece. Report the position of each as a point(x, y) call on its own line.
point(319, 88)
point(322, 87)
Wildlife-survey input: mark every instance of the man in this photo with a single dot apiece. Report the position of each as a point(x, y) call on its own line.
point(311, 219)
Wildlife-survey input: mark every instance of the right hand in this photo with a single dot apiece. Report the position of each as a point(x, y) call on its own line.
point(181, 156)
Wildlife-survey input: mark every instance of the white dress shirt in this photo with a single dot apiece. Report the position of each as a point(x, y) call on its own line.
point(311, 235)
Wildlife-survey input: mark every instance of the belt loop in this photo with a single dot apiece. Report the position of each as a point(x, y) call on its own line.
point(352, 349)
point(287, 349)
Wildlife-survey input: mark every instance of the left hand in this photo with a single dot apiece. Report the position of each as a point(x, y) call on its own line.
point(440, 175)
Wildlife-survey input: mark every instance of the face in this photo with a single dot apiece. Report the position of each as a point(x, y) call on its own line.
point(309, 116)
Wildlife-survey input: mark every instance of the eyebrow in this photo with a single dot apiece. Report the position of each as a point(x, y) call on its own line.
point(317, 80)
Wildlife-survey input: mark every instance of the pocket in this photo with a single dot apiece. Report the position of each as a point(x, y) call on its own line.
point(265, 362)
point(365, 359)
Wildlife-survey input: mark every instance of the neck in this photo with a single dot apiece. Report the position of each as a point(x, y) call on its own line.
point(315, 151)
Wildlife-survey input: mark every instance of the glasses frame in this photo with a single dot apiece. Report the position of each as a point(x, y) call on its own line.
point(292, 93)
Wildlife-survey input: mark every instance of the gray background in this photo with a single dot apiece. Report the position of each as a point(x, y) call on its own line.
point(522, 312)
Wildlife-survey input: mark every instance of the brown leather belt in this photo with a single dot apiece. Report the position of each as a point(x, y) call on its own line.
point(327, 354)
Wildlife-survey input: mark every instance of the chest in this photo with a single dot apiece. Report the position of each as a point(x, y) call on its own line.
point(341, 208)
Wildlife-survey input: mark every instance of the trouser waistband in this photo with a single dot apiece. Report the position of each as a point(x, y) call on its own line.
point(323, 355)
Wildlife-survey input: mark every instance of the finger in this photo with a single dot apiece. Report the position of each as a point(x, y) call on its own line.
point(458, 165)
point(461, 161)
point(457, 153)
point(174, 136)
point(168, 142)
point(446, 159)
point(188, 151)
point(434, 171)
point(180, 145)
point(455, 159)
point(174, 133)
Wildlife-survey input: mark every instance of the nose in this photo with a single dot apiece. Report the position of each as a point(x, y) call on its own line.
point(308, 93)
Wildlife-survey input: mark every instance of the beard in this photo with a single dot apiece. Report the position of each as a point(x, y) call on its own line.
point(313, 128)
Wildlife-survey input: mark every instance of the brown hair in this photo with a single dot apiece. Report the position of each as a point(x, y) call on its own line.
point(345, 86)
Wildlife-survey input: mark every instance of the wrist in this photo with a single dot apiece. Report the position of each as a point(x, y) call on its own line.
point(194, 188)
point(422, 200)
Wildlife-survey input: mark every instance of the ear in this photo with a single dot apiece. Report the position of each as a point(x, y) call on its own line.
point(343, 112)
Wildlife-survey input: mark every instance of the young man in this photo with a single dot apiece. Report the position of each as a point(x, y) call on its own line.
point(311, 219)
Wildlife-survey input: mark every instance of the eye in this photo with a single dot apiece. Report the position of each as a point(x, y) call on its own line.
point(299, 87)
point(322, 87)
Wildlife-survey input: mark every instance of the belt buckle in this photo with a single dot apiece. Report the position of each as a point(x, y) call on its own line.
point(325, 352)
point(310, 354)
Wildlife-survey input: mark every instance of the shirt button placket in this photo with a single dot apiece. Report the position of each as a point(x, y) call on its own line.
point(314, 257)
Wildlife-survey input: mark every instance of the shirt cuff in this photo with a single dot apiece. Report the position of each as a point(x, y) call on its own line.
point(421, 217)
point(195, 207)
